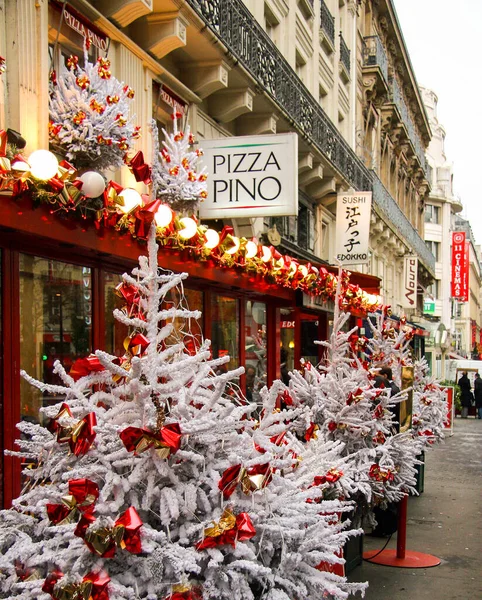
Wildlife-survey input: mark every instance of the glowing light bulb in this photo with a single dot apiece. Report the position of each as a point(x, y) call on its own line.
point(236, 244)
point(279, 264)
point(266, 257)
point(303, 270)
point(20, 165)
point(131, 199)
point(212, 239)
point(251, 249)
point(163, 216)
point(293, 268)
point(43, 165)
point(189, 228)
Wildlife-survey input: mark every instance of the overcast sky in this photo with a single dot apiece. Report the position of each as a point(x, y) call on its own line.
point(444, 40)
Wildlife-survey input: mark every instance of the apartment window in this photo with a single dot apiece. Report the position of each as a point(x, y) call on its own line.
point(434, 248)
point(307, 8)
point(325, 240)
point(432, 214)
point(306, 228)
point(434, 289)
point(300, 66)
point(272, 24)
point(322, 96)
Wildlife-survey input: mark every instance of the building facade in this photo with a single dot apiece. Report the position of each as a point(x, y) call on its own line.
point(335, 72)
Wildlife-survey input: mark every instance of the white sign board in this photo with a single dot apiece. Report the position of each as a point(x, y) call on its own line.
point(353, 227)
point(409, 291)
point(251, 176)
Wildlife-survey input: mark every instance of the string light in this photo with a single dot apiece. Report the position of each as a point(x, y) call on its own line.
point(212, 239)
point(43, 165)
point(266, 256)
point(189, 228)
point(131, 199)
point(163, 216)
point(236, 244)
point(251, 249)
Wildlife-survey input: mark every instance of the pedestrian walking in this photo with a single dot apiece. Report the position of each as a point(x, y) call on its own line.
point(478, 395)
point(465, 394)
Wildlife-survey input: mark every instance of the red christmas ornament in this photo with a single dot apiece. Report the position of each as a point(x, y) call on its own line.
point(72, 62)
point(332, 476)
point(82, 81)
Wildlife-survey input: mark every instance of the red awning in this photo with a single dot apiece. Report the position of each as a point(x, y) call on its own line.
point(368, 283)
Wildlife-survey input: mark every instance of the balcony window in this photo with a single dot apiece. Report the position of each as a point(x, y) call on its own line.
point(300, 66)
point(272, 25)
point(307, 8)
point(344, 54)
point(327, 22)
point(374, 55)
point(432, 214)
point(306, 228)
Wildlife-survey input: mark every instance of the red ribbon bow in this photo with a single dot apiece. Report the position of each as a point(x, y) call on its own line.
point(254, 478)
point(80, 436)
point(166, 442)
point(228, 530)
point(332, 476)
point(85, 366)
point(379, 474)
point(83, 494)
point(140, 169)
point(104, 541)
point(144, 216)
point(93, 587)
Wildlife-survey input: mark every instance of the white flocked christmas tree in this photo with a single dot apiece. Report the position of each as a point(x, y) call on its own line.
point(155, 480)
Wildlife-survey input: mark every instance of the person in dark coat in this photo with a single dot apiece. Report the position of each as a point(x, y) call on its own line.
point(478, 395)
point(465, 394)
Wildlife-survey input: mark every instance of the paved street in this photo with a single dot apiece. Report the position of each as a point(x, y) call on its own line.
point(446, 521)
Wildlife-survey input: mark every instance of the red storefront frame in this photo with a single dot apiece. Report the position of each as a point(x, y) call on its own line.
point(38, 232)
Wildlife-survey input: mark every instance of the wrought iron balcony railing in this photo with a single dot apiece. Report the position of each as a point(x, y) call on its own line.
point(235, 26)
point(327, 22)
point(397, 98)
point(374, 55)
point(344, 54)
point(383, 199)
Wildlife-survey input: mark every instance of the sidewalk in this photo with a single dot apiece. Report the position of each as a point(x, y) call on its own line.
point(445, 520)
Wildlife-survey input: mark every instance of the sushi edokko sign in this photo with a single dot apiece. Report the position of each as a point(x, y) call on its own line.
point(251, 176)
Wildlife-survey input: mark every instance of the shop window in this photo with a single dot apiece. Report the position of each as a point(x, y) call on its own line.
point(287, 343)
point(67, 34)
point(55, 324)
point(186, 331)
point(256, 349)
point(225, 330)
point(164, 103)
point(115, 332)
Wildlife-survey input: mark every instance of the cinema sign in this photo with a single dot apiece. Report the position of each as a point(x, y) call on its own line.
point(251, 176)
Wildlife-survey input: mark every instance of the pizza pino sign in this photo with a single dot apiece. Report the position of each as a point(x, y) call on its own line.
point(460, 266)
point(251, 176)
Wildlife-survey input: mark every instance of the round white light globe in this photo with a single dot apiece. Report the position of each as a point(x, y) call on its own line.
point(163, 216)
point(43, 165)
point(251, 249)
point(212, 239)
point(93, 184)
point(189, 228)
point(131, 199)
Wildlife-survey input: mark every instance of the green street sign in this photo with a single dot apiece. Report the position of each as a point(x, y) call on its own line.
point(429, 306)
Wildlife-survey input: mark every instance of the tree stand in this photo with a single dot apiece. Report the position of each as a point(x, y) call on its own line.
point(401, 557)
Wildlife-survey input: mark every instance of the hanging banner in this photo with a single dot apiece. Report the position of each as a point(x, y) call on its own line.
point(251, 176)
point(85, 28)
point(449, 419)
point(409, 293)
point(460, 267)
point(353, 228)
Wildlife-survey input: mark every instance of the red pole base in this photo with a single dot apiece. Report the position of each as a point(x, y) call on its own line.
point(412, 560)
